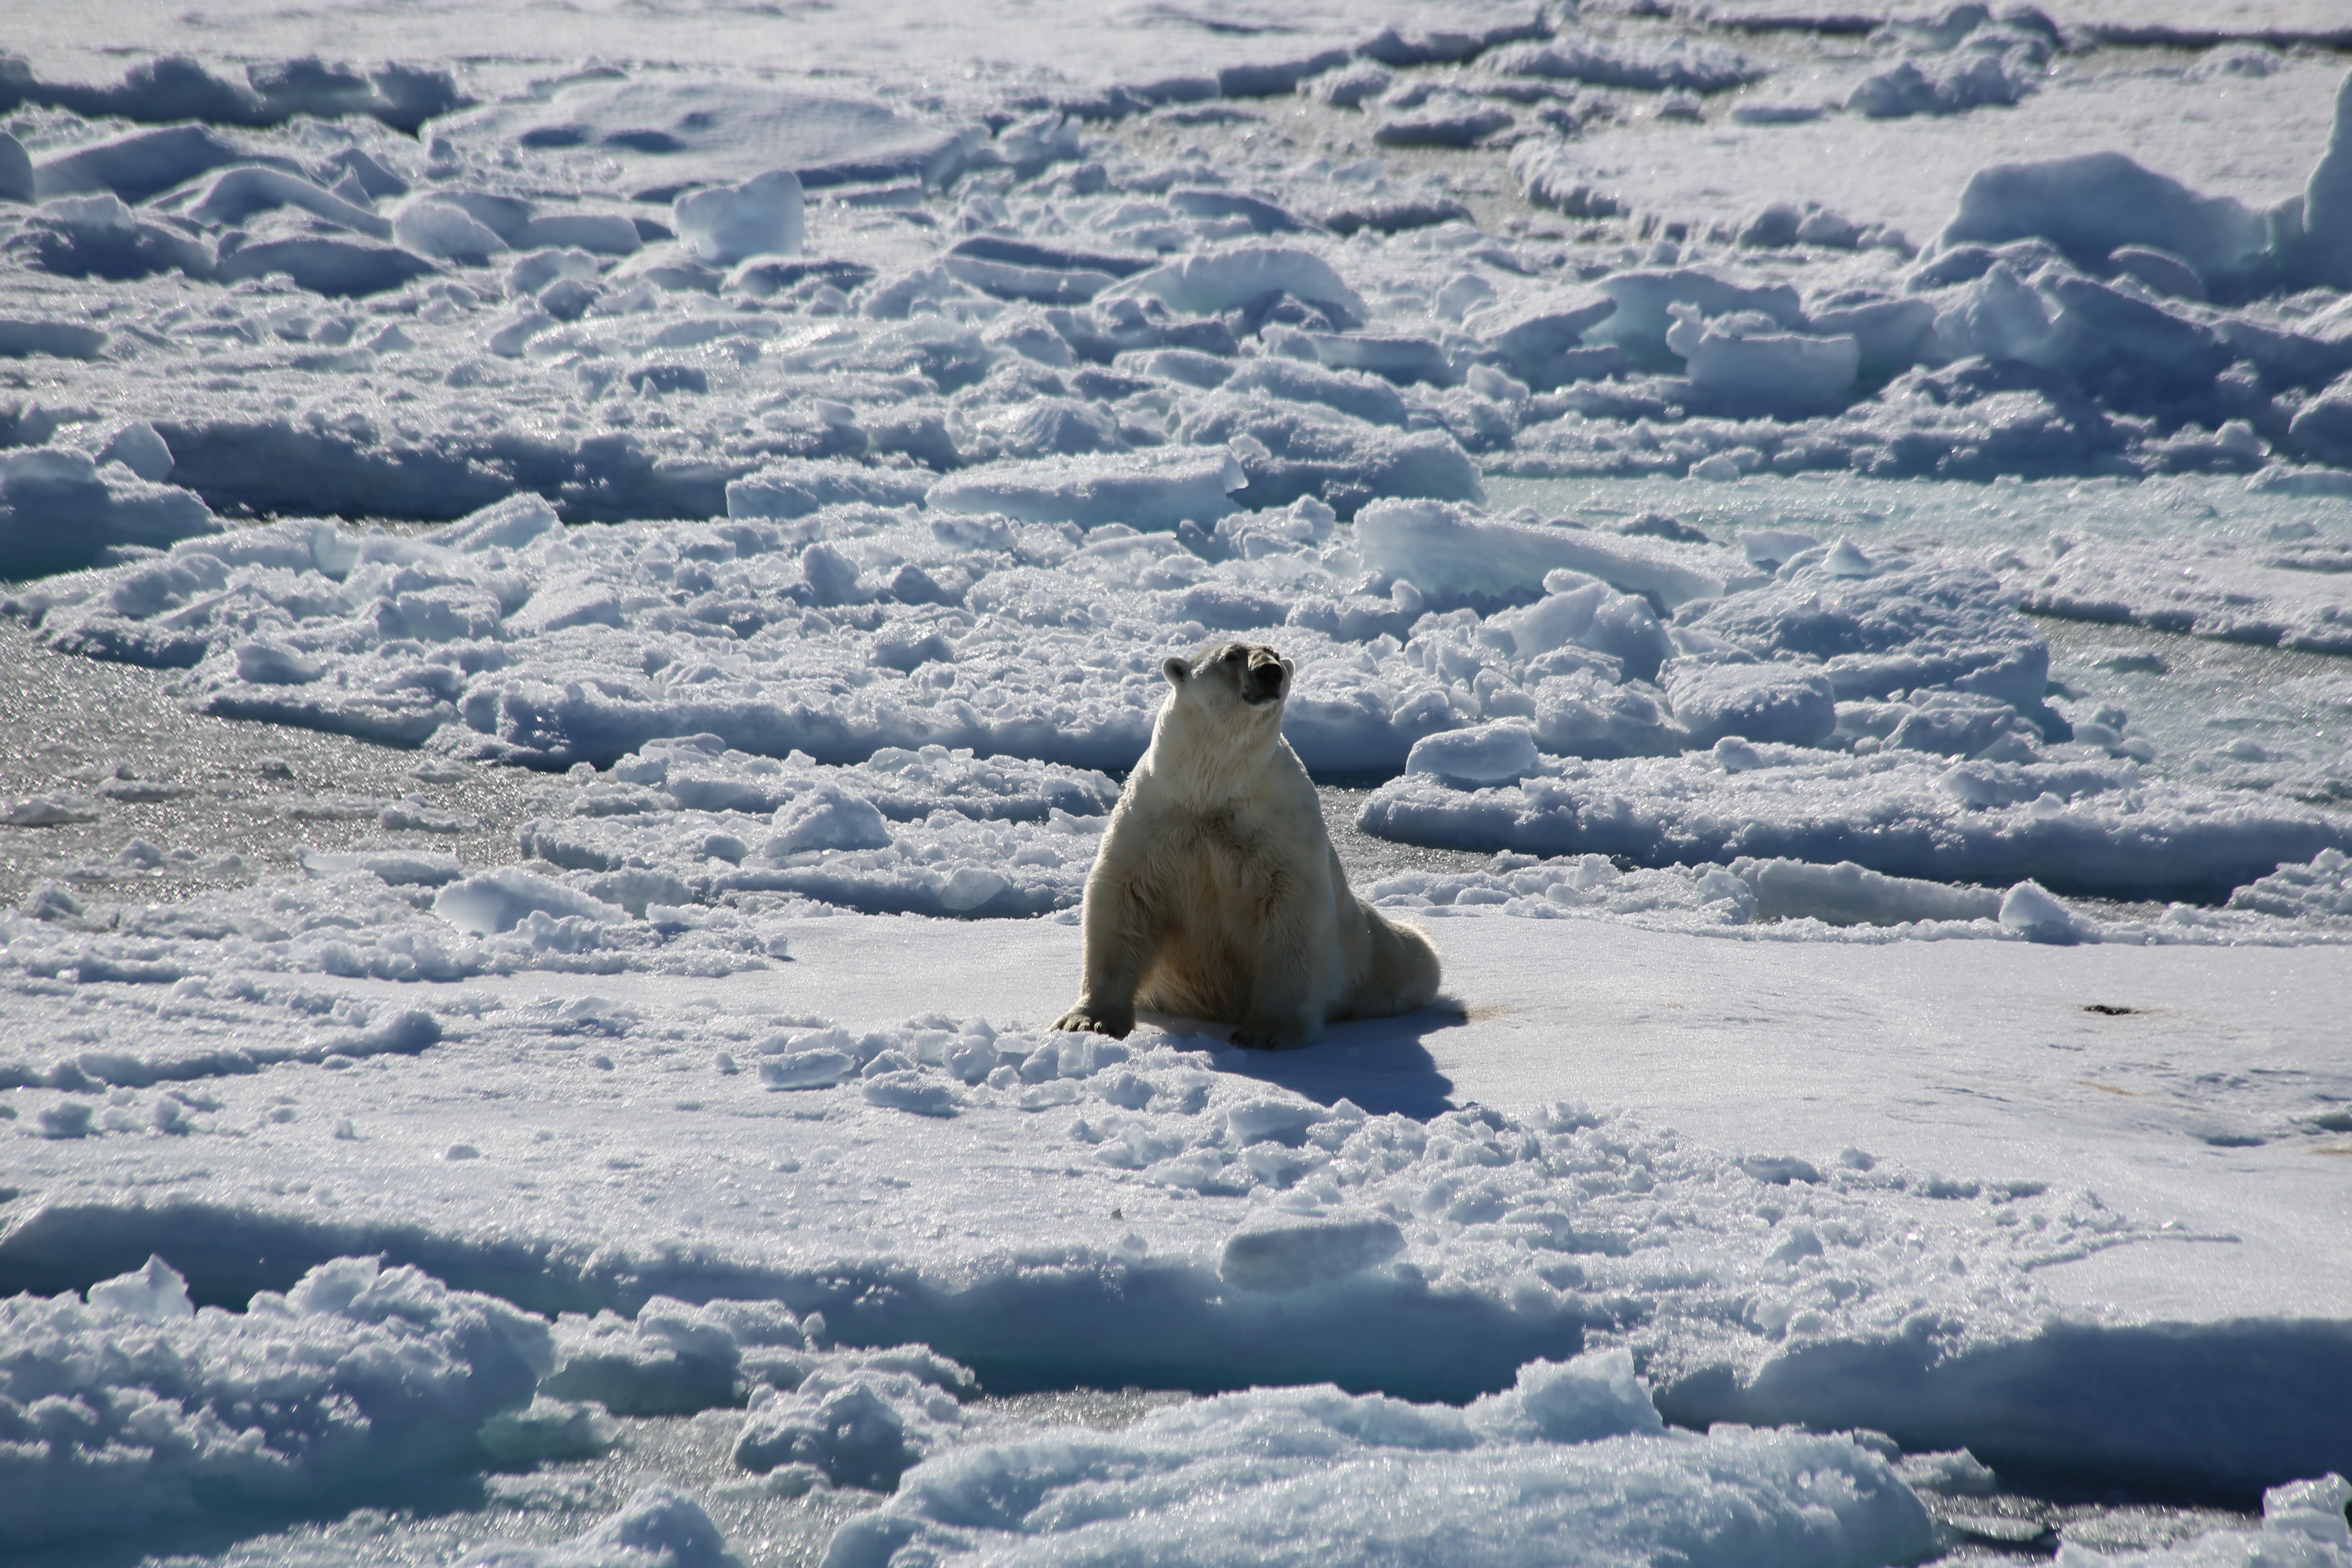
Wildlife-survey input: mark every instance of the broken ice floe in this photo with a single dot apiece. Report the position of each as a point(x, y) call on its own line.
point(144, 1410)
point(1890, 709)
point(2057, 327)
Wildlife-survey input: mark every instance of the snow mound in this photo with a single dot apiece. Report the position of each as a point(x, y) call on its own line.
point(137, 1408)
point(856, 1421)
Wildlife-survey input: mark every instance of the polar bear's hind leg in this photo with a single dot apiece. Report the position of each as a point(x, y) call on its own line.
point(1403, 974)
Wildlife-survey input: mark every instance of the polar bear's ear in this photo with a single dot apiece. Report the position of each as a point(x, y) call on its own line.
point(1177, 671)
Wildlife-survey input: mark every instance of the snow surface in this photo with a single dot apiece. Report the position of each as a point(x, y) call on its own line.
point(1815, 547)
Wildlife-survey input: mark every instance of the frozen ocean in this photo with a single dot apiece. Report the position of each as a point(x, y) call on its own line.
point(579, 581)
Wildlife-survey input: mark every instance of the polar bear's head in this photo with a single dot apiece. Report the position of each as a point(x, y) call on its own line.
point(1239, 686)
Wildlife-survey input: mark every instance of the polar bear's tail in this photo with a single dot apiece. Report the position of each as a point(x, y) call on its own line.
point(1404, 973)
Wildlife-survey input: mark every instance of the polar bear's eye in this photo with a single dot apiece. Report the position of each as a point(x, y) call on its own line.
point(1232, 656)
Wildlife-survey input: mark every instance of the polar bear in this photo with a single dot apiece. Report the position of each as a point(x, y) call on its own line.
point(1217, 894)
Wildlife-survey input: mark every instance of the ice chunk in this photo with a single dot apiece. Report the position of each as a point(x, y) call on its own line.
point(237, 194)
point(1453, 36)
point(1349, 87)
point(1888, 333)
point(1292, 1253)
point(827, 817)
point(1645, 299)
point(1768, 547)
point(2160, 270)
point(1217, 280)
point(1153, 492)
point(66, 340)
point(605, 234)
point(17, 183)
point(97, 236)
point(1758, 702)
point(2028, 910)
point(549, 1429)
point(669, 133)
point(673, 1358)
point(1959, 725)
point(51, 810)
point(509, 524)
point(59, 509)
point(2324, 251)
point(2108, 327)
point(325, 265)
point(396, 868)
point(155, 1294)
point(1290, 452)
point(723, 225)
point(2090, 204)
point(1357, 395)
point(1693, 65)
point(795, 486)
point(1746, 357)
point(1485, 753)
point(1949, 85)
point(1448, 550)
point(1048, 274)
point(498, 900)
point(134, 444)
point(1897, 813)
point(1531, 335)
point(135, 166)
point(433, 226)
point(1775, 112)
point(1848, 894)
point(1444, 119)
point(1575, 611)
point(2318, 889)
point(1583, 714)
point(1597, 1394)
point(1554, 174)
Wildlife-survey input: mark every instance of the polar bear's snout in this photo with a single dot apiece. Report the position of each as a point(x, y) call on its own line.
point(1264, 682)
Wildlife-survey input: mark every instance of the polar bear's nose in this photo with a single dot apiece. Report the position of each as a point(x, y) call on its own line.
point(1268, 680)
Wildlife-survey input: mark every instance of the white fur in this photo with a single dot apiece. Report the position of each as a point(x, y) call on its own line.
point(1217, 894)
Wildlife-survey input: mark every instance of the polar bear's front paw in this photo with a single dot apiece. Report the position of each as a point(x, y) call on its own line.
point(1084, 1020)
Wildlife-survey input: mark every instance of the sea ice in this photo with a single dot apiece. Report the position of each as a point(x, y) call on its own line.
point(920, 422)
